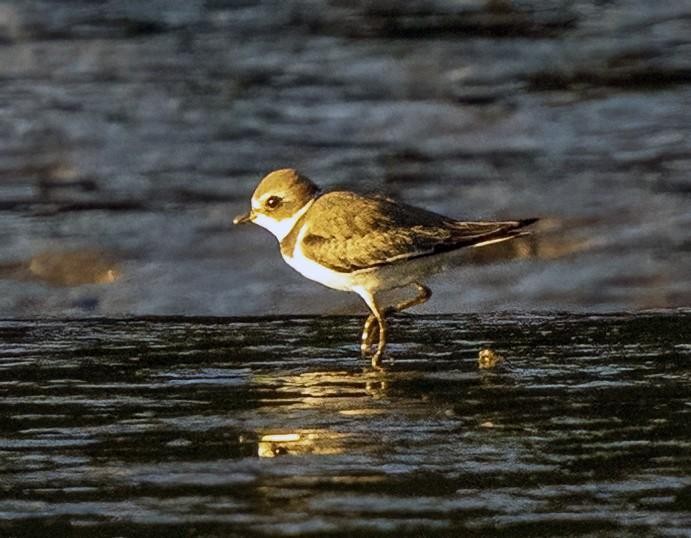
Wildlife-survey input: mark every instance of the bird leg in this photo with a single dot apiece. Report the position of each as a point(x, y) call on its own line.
point(371, 330)
point(381, 344)
point(423, 295)
point(368, 331)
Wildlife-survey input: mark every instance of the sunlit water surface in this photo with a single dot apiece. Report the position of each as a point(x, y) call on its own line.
point(222, 427)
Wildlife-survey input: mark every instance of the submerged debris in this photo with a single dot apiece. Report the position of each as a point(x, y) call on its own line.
point(489, 359)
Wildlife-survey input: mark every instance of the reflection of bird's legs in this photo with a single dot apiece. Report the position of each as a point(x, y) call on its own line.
point(370, 330)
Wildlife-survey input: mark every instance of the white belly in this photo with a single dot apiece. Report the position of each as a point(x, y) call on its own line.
point(385, 277)
point(319, 273)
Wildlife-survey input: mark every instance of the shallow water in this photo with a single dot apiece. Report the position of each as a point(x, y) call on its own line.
point(244, 427)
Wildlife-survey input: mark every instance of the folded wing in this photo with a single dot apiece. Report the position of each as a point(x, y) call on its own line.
point(352, 232)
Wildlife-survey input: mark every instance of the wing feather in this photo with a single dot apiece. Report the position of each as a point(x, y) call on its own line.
point(348, 232)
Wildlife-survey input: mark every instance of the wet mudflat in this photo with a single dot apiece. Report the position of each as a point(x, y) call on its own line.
point(222, 427)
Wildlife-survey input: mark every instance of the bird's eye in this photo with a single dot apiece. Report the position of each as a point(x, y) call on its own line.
point(273, 202)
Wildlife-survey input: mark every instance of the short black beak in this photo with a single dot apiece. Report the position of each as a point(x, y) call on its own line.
point(242, 219)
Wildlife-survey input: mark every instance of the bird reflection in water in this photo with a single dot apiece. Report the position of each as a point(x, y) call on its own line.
point(300, 442)
point(68, 268)
point(330, 394)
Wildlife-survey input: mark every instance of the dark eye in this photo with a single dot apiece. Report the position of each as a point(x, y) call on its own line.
point(273, 202)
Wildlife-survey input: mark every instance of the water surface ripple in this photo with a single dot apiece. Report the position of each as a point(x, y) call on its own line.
point(244, 427)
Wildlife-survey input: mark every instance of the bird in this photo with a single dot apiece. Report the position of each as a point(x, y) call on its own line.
point(364, 244)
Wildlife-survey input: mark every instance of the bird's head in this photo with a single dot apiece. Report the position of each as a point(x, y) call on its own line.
point(278, 200)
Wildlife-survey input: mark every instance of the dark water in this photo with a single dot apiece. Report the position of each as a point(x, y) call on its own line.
point(228, 427)
point(140, 129)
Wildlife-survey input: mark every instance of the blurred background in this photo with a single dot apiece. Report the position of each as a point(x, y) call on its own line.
point(132, 132)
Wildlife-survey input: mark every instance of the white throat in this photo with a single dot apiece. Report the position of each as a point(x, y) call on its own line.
point(281, 228)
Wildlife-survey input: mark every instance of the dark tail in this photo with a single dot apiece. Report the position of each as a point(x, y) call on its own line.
point(481, 233)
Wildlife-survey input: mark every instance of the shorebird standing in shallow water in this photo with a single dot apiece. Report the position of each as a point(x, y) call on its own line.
point(364, 244)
